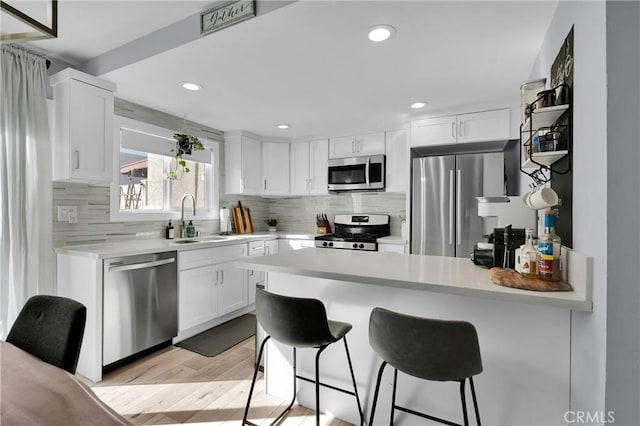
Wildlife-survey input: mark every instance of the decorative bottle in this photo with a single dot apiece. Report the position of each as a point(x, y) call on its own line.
point(191, 230)
point(549, 247)
point(169, 231)
point(529, 255)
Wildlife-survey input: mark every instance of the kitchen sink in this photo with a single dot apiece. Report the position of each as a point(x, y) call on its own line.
point(186, 241)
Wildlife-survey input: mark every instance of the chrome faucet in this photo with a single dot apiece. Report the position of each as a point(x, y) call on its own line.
point(193, 202)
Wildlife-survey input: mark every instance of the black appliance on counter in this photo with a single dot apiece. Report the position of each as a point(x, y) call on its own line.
point(356, 232)
point(491, 253)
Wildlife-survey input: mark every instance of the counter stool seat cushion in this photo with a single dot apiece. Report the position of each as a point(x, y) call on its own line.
point(426, 348)
point(51, 328)
point(297, 322)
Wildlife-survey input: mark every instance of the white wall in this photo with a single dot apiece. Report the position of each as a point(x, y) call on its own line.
point(588, 334)
point(623, 212)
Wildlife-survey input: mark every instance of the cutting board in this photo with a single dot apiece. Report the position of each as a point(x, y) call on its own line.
point(242, 220)
point(511, 278)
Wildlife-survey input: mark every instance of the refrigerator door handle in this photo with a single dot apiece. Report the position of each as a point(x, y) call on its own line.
point(423, 207)
point(451, 206)
point(458, 205)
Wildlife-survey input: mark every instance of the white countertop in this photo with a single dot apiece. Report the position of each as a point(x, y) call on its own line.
point(448, 275)
point(151, 245)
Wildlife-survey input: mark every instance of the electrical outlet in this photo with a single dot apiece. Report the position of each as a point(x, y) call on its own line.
point(68, 214)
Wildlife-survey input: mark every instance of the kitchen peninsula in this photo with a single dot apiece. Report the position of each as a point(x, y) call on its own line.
point(524, 335)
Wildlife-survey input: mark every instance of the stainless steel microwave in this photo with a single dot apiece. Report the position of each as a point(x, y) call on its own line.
point(357, 173)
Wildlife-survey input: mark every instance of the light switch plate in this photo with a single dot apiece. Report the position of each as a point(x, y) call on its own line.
point(68, 214)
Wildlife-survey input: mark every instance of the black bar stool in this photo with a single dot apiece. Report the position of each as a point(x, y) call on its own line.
point(299, 323)
point(426, 348)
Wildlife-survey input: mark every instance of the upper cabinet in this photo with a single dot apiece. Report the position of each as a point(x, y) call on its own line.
point(82, 127)
point(309, 167)
point(360, 145)
point(243, 163)
point(397, 179)
point(275, 168)
point(474, 127)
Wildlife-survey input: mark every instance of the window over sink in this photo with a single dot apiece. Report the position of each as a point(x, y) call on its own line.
point(143, 158)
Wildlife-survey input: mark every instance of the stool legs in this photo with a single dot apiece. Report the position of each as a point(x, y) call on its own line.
point(407, 410)
point(296, 376)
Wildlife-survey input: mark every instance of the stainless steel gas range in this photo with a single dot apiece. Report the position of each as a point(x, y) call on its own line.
point(356, 232)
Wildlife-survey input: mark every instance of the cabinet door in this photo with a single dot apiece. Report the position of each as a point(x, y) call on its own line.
point(433, 131)
point(90, 132)
point(275, 168)
point(255, 278)
point(232, 288)
point(197, 296)
point(251, 166)
point(483, 126)
point(370, 144)
point(397, 161)
point(270, 247)
point(318, 174)
point(300, 168)
point(391, 248)
point(342, 147)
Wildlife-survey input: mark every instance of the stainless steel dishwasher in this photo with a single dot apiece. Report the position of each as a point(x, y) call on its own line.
point(140, 308)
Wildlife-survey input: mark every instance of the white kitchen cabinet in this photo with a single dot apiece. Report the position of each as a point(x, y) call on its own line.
point(293, 244)
point(243, 163)
point(474, 127)
point(82, 128)
point(232, 288)
point(309, 168)
point(208, 284)
point(397, 169)
point(359, 145)
point(275, 168)
point(197, 295)
point(391, 248)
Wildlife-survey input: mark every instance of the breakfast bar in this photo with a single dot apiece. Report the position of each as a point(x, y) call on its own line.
point(524, 335)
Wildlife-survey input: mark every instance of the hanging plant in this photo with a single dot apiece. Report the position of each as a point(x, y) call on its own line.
point(185, 145)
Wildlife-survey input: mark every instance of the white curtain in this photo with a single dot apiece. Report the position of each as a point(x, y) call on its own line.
point(26, 254)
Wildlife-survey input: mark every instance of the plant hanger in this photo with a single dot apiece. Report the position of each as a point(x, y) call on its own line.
point(185, 145)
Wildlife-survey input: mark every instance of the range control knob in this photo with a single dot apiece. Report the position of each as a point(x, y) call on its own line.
point(324, 244)
point(330, 244)
point(361, 246)
point(355, 245)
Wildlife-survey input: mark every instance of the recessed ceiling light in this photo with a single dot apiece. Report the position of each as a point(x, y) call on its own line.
point(190, 85)
point(283, 126)
point(418, 104)
point(381, 32)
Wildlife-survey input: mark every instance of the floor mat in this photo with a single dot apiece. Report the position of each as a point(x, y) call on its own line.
point(222, 337)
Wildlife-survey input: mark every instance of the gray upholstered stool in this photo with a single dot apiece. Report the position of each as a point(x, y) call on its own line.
point(50, 328)
point(300, 323)
point(429, 349)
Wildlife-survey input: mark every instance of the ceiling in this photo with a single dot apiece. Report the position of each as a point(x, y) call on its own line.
point(309, 63)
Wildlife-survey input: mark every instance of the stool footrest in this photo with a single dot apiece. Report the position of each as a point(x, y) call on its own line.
point(426, 416)
point(306, 379)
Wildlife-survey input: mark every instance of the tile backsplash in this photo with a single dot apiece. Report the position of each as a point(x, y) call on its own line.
point(296, 214)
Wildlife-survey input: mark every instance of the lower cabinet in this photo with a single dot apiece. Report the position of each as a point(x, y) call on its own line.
point(208, 284)
point(392, 248)
point(256, 279)
point(288, 245)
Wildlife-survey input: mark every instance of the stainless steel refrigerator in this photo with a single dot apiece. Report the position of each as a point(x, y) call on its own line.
point(444, 209)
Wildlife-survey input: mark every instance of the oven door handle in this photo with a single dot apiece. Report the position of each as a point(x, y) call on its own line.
point(366, 171)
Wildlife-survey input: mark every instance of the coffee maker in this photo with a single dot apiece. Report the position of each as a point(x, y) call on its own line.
point(500, 248)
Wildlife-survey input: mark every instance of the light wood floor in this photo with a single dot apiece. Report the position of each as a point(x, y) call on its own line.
point(175, 385)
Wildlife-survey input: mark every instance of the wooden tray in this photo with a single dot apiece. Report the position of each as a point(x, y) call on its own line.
point(511, 278)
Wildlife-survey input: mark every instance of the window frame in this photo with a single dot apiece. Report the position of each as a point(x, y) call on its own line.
point(213, 187)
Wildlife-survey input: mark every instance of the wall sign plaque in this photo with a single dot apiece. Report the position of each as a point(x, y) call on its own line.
point(226, 15)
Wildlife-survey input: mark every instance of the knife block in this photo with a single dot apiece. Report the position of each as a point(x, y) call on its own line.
point(322, 230)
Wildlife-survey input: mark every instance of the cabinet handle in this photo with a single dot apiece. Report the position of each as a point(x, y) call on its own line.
point(221, 277)
point(251, 273)
point(461, 132)
point(217, 277)
point(353, 147)
point(310, 184)
point(76, 154)
point(265, 184)
point(453, 130)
